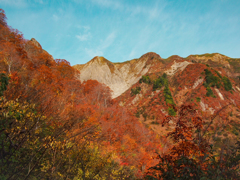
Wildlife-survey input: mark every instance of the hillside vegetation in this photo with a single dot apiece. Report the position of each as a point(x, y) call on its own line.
point(176, 118)
point(55, 127)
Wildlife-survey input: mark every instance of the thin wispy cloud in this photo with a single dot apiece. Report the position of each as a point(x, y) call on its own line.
point(102, 47)
point(86, 28)
point(122, 30)
point(14, 3)
point(55, 17)
point(133, 10)
point(108, 41)
point(84, 37)
point(109, 4)
point(85, 34)
point(132, 54)
point(39, 1)
point(93, 52)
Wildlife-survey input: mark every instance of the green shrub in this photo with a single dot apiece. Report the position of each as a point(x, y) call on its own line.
point(218, 74)
point(211, 80)
point(164, 75)
point(168, 96)
point(210, 92)
point(198, 99)
point(227, 84)
point(135, 91)
point(145, 79)
point(160, 81)
point(214, 81)
point(4, 79)
point(171, 111)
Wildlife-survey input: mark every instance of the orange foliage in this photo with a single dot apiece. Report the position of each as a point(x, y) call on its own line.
point(83, 111)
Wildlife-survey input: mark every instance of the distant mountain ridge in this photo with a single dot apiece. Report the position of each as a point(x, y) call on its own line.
point(121, 76)
point(118, 76)
point(154, 89)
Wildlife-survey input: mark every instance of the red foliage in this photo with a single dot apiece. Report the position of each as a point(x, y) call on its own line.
point(84, 111)
point(186, 142)
point(3, 18)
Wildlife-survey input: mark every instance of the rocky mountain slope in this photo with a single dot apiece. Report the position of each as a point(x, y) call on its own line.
point(118, 76)
point(121, 76)
point(46, 109)
point(154, 88)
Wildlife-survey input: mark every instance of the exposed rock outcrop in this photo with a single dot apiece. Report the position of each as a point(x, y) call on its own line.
point(122, 76)
point(176, 67)
point(118, 76)
point(34, 48)
point(36, 43)
point(210, 58)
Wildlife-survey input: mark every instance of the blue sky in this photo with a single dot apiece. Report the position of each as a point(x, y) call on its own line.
point(120, 30)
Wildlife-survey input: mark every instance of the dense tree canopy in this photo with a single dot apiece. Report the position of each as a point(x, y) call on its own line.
point(52, 126)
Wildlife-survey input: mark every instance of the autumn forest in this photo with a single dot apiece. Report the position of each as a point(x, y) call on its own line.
point(54, 126)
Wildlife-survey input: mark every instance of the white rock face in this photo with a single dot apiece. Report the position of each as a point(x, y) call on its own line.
point(205, 107)
point(119, 77)
point(199, 81)
point(219, 58)
point(138, 96)
point(238, 88)
point(176, 67)
point(219, 94)
point(233, 101)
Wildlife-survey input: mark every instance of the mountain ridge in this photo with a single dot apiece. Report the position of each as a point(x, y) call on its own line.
point(199, 80)
point(59, 123)
point(121, 76)
point(118, 76)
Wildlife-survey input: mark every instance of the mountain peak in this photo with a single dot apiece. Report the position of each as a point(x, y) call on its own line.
point(151, 55)
point(175, 57)
point(36, 43)
point(210, 56)
point(100, 59)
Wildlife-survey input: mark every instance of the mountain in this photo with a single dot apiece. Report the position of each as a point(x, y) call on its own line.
point(53, 126)
point(118, 76)
point(121, 76)
point(153, 88)
point(46, 109)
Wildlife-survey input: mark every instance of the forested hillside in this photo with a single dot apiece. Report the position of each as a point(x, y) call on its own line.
point(55, 127)
point(169, 121)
